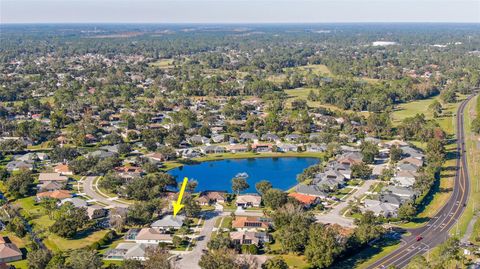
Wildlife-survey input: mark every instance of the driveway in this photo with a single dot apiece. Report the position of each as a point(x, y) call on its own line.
point(91, 190)
point(335, 216)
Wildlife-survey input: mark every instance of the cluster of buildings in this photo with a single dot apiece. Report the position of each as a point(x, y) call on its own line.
point(401, 186)
point(335, 176)
point(138, 241)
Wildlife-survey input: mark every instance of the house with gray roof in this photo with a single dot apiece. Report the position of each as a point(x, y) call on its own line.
point(293, 138)
point(311, 190)
point(411, 152)
point(403, 192)
point(379, 208)
point(316, 148)
point(75, 201)
point(219, 138)
point(212, 149)
point(248, 136)
point(19, 165)
point(101, 154)
point(270, 137)
point(129, 251)
point(169, 222)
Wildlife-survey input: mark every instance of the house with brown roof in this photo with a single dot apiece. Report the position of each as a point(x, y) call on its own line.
point(235, 148)
point(49, 177)
point(250, 223)
point(9, 252)
point(212, 197)
point(58, 194)
point(304, 199)
point(152, 236)
point(63, 169)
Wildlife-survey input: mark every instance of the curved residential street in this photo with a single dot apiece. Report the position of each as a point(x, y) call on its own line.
point(92, 191)
point(436, 231)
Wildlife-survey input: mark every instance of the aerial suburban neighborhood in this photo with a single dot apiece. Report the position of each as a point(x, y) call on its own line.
point(251, 145)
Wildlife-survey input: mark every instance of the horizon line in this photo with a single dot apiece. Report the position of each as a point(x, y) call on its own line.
point(253, 22)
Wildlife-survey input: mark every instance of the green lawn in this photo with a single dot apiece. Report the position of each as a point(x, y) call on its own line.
point(473, 159)
point(163, 63)
point(57, 243)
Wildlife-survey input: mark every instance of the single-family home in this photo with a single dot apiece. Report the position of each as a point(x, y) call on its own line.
point(129, 251)
point(285, 147)
point(212, 149)
point(403, 192)
point(264, 147)
point(248, 137)
point(270, 137)
point(235, 148)
point(19, 165)
point(306, 200)
point(249, 222)
point(96, 212)
point(63, 169)
point(9, 252)
point(57, 194)
point(316, 148)
point(293, 138)
point(379, 208)
point(75, 201)
point(50, 186)
point(249, 238)
point(248, 200)
point(168, 222)
point(152, 236)
point(311, 190)
point(212, 197)
point(52, 177)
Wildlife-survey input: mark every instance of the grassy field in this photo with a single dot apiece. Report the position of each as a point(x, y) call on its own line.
point(473, 159)
point(302, 93)
point(163, 63)
point(57, 243)
point(40, 221)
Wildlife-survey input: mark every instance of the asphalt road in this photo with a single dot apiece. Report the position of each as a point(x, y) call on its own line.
point(90, 190)
point(436, 231)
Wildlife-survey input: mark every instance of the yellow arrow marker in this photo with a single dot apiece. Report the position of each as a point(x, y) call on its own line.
point(178, 204)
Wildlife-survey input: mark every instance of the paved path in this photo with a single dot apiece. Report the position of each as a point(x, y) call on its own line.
point(190, 260)
point(335, 216)
point(92, 191)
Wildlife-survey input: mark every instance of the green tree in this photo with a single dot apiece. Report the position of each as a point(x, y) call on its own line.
point(158, 258)
point(361, 170)
point(239, 184)
point(274, 198)
point(369, 151)
point(436, 108)
point(418, 262)
point(192, 208)
point(323, 246)
point(407, 211)
point(19, 185)
point(84, 259)
point(39, 259)
point(395, 154)
point(221, 241)
point(275, 263)
point(263, 186)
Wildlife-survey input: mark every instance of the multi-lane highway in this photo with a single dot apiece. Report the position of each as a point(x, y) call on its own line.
point(437, 229)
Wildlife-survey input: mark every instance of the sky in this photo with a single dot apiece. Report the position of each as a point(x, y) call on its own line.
point(237, 11)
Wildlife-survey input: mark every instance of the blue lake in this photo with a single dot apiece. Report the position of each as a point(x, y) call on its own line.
point(217, 175)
